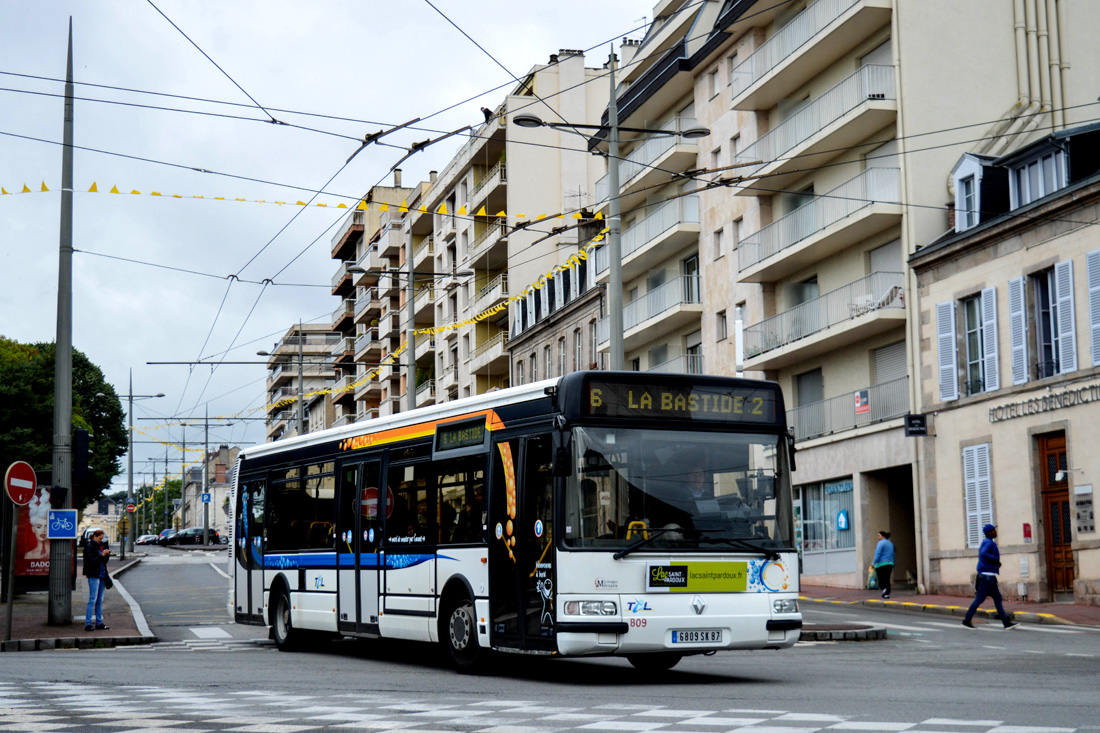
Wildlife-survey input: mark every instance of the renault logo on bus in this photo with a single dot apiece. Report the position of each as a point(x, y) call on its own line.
point(699, 605)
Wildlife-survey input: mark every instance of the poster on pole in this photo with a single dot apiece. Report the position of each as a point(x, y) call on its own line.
point(32, 545)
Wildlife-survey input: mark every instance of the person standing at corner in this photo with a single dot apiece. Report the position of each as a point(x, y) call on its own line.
point(96, 555)
point(989, 565)
point(883, 562)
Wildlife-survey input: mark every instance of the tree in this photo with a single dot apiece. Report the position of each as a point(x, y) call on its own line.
point(26, 414)
point(169, 489)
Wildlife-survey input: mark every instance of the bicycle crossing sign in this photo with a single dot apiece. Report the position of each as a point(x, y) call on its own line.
point(61, 524)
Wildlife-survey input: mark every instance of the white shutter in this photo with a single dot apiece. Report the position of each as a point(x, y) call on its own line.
point(1092, 259)
point(890, 363)
point(978, 492)
point(948, 346)
point(887, 258)
point(1017, 324)
point(991, 365)
point(1067, 324)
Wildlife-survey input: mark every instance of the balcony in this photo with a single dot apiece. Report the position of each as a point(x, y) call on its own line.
point(446, 228)
point(423, 251)
point(371, 263)
point(831, 222)
point(343, 350)
point(862, 309)
point(390, 240)
point(279, 396)
point(490, 357)
point(424, 300)
point(648, 242)
point(650, 162)
point(425, 393)
point(849, 113)
point(661, 311)
point(389, 325)
point(342, 315)
point(351, 229)
point(390, 405)
point(853, 410)
point(367, 387)
point(447, 379)
point(368, 306)
point(423, 345)
point(341, 281)
point(814, 39)
point(346, 419)
point(390, 282)
point(368, 349)
point(495, 293)
point(368, 414)
point(343, 391)
point(684, 364)
point(494, 177)
point(484, 250)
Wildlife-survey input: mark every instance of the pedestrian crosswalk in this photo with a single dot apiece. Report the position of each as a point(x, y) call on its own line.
point(55, 706)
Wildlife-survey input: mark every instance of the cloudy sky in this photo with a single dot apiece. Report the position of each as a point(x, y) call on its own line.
point(371, 63)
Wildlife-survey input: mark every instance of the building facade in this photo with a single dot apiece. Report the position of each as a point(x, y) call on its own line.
point(304, 351)
point(1009, 306)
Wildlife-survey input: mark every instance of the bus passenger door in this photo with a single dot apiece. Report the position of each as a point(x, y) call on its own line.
point(521, 551)
point(249, 569)
point(357, 546)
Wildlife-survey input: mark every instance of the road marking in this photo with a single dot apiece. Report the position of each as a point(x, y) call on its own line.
point(1053, 631)
point(899, 626)
point(1002, 648)
point(954, 721)
point(1029, 729)
point(942, 624)
point(854, 725)
point(220, 571)
point(210, 632)
point(1088, 656)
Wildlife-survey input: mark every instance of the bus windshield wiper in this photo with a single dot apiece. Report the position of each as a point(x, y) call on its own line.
point(654, 534)
point(743, 544)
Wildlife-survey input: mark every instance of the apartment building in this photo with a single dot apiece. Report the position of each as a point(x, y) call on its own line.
point(1009, 311)
point(834, 127)
point(305, 351)
point(220, 465)
point(366, 245)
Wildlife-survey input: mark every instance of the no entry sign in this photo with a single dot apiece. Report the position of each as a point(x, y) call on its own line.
point(20, 482)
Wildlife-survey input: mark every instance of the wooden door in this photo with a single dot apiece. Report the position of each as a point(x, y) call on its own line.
point(1056, 513)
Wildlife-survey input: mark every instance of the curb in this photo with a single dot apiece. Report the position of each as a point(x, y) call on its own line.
point(73, 642)
point(865, 632)
point(960, 611)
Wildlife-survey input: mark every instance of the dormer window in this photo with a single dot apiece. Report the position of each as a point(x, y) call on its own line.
point(1038, 177)
point(968, 197)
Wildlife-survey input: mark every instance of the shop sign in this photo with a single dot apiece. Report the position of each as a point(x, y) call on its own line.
point(1047, 403)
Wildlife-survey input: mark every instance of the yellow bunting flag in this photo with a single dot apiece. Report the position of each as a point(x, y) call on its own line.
point(176, 196)
point(44, 186)
point(4, 191)
point(341, 206)
point(157, 193)
point(540, 216)
point(114, 189)
point(198, 197)
point(382, 207)
point(423, 209)
point(461, 212)
point(403, 207)
point(521, 216)
point(577, 215)
point(301, 203)
point(26, 189)
point(501, 214)
point(442, 208)
point(135, 191)
point(481, 212)
point(93, 189)
point(362, 206)
point(599, 215)
point(322, 205)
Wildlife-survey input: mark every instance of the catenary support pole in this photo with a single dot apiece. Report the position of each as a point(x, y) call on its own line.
point(614, 230)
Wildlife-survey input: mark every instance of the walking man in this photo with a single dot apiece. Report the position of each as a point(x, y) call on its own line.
point(883, 562)
point(989, 564)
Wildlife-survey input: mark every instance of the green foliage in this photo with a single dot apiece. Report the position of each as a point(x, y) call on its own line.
point(155, 508)
point(26, 414)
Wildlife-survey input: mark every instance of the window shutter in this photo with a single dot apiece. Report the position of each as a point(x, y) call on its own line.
point(887, 258)
point(890, 363)
point(1067, 324)
point(1092, 259)
point(979, 492)
point(1017, 324)
point(991, 365)
point(948, 346)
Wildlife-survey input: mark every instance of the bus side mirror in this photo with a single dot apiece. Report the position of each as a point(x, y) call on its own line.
point(791, 448)
point(563, 451)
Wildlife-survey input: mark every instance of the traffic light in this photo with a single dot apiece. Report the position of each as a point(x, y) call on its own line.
point(81, 453)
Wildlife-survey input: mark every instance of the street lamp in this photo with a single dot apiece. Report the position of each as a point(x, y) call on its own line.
point(614, 222)
point(130, 397)
point(410, 316)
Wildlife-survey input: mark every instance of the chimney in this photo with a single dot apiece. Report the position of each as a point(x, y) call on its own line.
point(432, 175)
point(553, 58)
point(951, 215)
point(219, 473)
point(397, 178)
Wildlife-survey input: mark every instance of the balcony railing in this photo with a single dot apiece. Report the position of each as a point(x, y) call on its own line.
point(365, 339)
point(855, 409)
point(366, 414)
point(496, 229)
point(283, 393)
point(342, 346)
point(787, 40)
point(341, 273)
point(423, 297)
point(683, 210)
point(496, 341)
point(874, 185)
point(678, 291)
point(500, 281)
point(343, 385)
point(871, 82)
point(643, 156)
point(428, 243)
point(876, 291)
point(346, 419)
point(426, 388)
point(684, 364)
point(498, 168)
point(346, 308)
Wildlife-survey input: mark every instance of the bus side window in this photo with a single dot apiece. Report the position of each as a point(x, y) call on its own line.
point(413, 519)
point(461, 486)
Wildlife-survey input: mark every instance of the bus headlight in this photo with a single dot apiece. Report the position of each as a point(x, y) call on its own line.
point(590, 608)
point(786, 605)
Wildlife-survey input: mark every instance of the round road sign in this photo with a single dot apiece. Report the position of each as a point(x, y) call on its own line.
point(20, 482)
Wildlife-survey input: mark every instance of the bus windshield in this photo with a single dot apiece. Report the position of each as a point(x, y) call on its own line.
point(695, 490)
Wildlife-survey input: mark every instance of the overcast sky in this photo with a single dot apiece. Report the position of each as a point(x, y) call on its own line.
point(373, 62)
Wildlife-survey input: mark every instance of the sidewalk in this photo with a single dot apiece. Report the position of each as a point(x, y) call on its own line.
point(908, 600)
point(30, 611)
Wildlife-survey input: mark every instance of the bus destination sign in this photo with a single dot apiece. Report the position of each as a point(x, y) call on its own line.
point(698, 402)
point(460, 435)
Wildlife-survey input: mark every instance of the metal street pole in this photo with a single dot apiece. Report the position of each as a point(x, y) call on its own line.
point(183, 481)
point(60, 611)
point(129, 452)
point(206, 478)
point(301, 382)
point(614, 231)
point(410, 330)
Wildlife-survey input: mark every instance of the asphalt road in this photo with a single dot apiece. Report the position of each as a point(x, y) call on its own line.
point(930, 676)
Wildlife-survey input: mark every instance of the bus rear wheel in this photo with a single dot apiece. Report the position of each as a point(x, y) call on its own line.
point(287, 638)
point(460, 636)
point(656, 662)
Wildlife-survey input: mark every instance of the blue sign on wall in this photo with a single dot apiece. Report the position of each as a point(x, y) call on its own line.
point(61, 524)
point(206, 497)
point(842, 520)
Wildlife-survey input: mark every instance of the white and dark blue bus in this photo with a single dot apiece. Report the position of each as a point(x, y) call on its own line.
point(602, 513)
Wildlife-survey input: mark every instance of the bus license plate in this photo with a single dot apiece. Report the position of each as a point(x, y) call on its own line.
point(697, 636)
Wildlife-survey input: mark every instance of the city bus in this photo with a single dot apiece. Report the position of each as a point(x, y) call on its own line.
point(601, 513)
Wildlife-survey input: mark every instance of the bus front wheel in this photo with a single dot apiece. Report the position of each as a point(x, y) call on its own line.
point(460, 636)
point(287, 637)
point(656, 662)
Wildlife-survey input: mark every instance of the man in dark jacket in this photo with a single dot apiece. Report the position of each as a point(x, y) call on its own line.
point(96, 555)
point(989, 564)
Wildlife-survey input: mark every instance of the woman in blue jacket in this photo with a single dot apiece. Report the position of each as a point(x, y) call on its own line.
point(883, 562)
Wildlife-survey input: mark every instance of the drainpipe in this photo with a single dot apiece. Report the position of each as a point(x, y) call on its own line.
point(999, 145)
point(1054, 41)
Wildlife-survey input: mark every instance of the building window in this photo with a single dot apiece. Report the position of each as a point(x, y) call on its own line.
point(1046, 324)
point(718, 243)
point(822, 505)
point(1037, 178)
point(721, 326)
point(716, 159)
point(694, 359)
point(712, 83)
point(548, 362)
point(594, 342)
point(577, 351)
point(534, 368)
point(731, 64)
point(735, 233)
point(978, 491)
point(519, 372)
point(973, 339)
point(636, 364)
point(968, 196)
